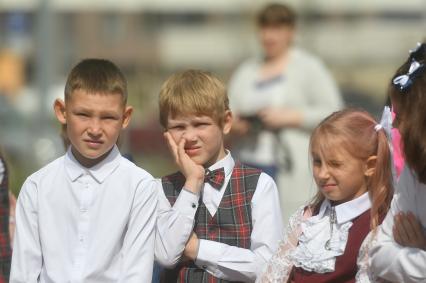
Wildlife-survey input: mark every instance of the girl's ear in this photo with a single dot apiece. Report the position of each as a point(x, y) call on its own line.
point(227, 122)
point(370, 166)
point(59, 108)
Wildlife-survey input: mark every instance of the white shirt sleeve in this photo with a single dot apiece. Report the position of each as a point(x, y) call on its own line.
point(138, 247)
point(388, 259)
point(27, 254)
point(174, 225)
point(238, 264)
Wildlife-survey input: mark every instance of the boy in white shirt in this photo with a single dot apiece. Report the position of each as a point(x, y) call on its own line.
point(219, 220)
point(88, 216)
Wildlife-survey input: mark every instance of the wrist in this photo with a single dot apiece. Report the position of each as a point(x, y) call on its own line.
point(194, 185)
point(194, 251)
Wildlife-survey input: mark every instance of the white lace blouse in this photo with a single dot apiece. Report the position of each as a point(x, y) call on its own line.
point(304, 242)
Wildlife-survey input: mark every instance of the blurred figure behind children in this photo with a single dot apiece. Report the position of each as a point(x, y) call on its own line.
point(278, 97)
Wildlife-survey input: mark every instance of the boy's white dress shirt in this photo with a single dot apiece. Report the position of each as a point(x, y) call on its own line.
point(388, 259)
point(175, 224)
point(77, 224)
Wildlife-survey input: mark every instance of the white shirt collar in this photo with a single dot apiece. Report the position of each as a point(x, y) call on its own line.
point(348, 210)
point(99, 172)
point(212, 197)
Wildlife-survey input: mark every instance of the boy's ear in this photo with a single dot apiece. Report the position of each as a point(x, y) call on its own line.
point(370, 166)
point(227, 122)
point(59, 108)
point(126, 116)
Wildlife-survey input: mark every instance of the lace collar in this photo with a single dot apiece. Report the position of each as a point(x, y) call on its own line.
point(324, 235)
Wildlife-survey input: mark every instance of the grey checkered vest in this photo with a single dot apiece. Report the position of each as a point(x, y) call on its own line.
point(232, 223)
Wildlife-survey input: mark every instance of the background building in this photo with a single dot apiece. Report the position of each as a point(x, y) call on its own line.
point(362, 42)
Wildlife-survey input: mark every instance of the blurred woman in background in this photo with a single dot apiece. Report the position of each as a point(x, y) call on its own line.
point(278, 98)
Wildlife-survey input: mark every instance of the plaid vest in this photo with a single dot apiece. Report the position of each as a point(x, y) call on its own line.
point(5, 250)
point(232, 223)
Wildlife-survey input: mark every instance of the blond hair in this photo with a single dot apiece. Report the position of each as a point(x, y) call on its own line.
point(354, 131)
point(193, 92)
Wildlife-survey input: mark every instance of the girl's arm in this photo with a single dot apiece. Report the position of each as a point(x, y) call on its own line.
point(279, 266)
point(388, 259)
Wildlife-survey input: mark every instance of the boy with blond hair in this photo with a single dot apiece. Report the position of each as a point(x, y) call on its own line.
point(219, 220)
point(88, 216)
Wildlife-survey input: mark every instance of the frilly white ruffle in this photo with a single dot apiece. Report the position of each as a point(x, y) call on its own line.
point(311, 254)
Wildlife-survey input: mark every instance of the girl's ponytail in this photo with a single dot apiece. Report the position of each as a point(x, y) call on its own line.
point(380, 184)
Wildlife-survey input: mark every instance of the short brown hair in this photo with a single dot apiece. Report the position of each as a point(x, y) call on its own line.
point(96, 76)
point(276, 14)
point(193, 92)
point(410, 107)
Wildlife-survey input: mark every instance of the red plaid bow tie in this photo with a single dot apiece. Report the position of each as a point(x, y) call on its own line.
point(215, 178)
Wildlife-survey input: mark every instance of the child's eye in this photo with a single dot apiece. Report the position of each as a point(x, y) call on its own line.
point(202, 124)
point(110, 118)
point(177, 127)
point(82, 114)
point(335, 163)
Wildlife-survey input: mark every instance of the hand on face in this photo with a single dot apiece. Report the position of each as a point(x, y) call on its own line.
point(408, 231)
point(194, 173)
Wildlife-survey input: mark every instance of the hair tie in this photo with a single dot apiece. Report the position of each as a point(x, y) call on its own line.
point(385, 123)
point(378, 127)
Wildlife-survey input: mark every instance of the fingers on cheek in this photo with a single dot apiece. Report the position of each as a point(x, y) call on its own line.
point(395, 234)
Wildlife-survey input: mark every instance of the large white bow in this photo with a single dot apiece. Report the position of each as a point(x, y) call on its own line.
point(404, 79)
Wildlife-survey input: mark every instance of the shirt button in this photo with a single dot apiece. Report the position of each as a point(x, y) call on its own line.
point(83, 209)
point(204, 266)
point(194, 205)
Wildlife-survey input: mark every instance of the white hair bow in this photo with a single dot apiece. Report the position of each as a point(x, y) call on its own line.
point(385, 122)
point(404, 81)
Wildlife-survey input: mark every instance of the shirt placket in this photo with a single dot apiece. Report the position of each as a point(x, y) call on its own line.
point(87, 188)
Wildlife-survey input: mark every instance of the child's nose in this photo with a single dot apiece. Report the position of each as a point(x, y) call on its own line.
point(95, 128)
point(190, 135)
point(323, 172)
